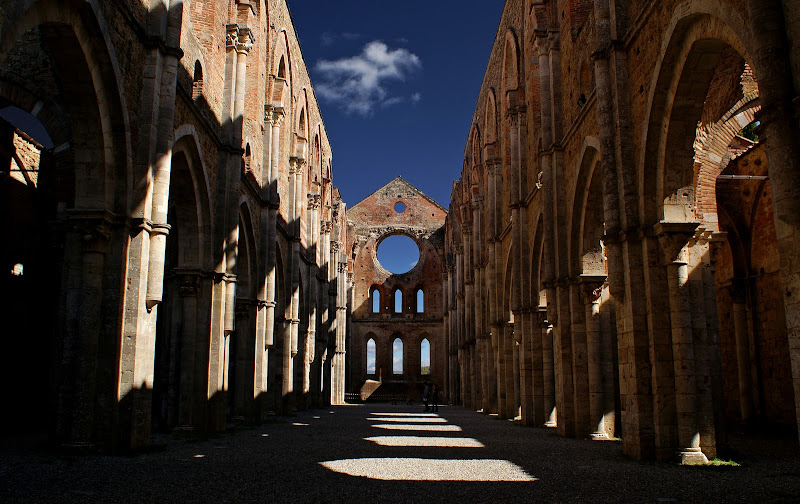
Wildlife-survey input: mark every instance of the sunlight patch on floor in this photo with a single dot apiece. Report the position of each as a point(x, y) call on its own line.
point(438, 442)
point(408, 419)
point(416, 469)
point(406, 414)
point(418, 427)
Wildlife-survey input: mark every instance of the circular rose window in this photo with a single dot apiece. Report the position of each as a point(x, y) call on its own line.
point(398, 254)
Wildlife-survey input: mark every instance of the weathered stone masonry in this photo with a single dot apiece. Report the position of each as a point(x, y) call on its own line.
point(627, 236)
point(369, 223)
point(184, 221)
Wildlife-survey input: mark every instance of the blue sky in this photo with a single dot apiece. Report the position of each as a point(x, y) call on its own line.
point(397, 83)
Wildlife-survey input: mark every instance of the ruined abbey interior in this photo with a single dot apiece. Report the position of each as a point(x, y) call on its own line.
point(620, 258)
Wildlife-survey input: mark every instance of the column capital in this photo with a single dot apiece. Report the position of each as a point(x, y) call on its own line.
point(314, 201)
point(494, 165)
point(231, 35)
point(672, 238)
point(245, 41)
point(517, 114)
point(476, 202)
point(296, 164)
point(274, 114)
point(326, 227)
point(591, 287)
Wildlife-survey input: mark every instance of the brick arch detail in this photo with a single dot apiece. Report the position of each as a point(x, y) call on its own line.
point(693, 21)
point(710, 157)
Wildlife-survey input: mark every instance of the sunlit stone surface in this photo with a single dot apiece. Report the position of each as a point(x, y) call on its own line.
point(417, 427)
point(427, 415)
point(408, 420)
point(416, 469)
point(440, 442)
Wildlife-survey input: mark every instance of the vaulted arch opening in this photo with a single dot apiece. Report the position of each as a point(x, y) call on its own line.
point(56, 196)
point(397, 356)
point(181, 340)
point(697, 159)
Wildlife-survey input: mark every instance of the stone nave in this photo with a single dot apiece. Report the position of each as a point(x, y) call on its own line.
point(620, 257)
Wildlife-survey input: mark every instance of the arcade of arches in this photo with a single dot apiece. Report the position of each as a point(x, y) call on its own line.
point(623, 240)
point(620, 259)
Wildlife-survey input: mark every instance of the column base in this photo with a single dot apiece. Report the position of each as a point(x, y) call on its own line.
point(692, 456)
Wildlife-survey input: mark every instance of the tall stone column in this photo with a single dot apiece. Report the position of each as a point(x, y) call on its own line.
point(591, 290)
point(468, 313)
point(309, 353)
point(536, 380)
point(291, 342)
point(779, 122)
point(326, 300)
point(739, 290)
point(478, 334)
point(145, 268)
point(524, 320)
point(673, 238)
point(277, 114)
point(244, 365)
point(190, 285)
point(580, 358)
point(548, 371)
point(86, 250)
point(341, 336)
point(562, 354)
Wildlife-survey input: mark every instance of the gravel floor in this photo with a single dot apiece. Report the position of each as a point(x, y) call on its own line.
point(316, 456)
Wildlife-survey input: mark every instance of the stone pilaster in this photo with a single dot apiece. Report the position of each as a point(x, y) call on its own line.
point(673, 238)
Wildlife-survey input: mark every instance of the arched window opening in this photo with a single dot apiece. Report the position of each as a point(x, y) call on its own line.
point(246, 161)
point(302, 125)
point(397, 356)
point(282, 68)
point(376, 300)
point(398, 301)
point(425, 357)
point(420, 301)
point(371, 353)
point(197, 80)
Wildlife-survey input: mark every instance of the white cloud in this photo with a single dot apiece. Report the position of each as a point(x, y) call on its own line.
point(416, 97)
point(395, 100)
point(359, 84)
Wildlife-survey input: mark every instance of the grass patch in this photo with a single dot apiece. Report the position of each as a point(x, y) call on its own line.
point(723, 463)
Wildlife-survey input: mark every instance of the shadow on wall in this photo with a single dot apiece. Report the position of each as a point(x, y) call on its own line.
point(76, 232)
